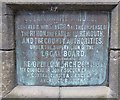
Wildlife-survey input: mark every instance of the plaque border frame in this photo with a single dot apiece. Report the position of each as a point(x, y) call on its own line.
point(111, 91)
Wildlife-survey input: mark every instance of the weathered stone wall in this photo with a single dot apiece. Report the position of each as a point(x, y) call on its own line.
point(8, 71)
point(114, 63)
point(0, 47)
point(7, 51)
point(60, 1)
point(114, 60)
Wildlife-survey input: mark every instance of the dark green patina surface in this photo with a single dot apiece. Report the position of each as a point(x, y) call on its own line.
point(65, 48)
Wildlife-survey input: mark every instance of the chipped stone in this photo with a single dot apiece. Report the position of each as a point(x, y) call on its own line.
point(8, 76)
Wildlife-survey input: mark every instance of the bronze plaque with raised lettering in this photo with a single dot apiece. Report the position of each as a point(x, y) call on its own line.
point(65, 48)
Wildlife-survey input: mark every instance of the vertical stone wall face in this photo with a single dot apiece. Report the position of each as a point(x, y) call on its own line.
point(7, 51)
point(114, 63)
point(7, 28)
point(113, 75)
point(0, 47)
point(7, 47)
point(8, 71)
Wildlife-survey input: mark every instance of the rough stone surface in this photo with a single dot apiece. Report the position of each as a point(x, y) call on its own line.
point(85, 1)
point(114, 28)
point(0, 76)
point(6, 27)
point(119, 26)
point(0, 24)
point(114, 60)
point(8, 71)
point(6, 10)
point(7, 32)
point(0, 32)
point(0, 54)
point(34, 92)
point(84, 92)
point(0, 40)
point(0, 8)
point(119, 75)
point(113, 74)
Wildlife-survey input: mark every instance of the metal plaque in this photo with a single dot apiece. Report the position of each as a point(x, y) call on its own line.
point(62, 48)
